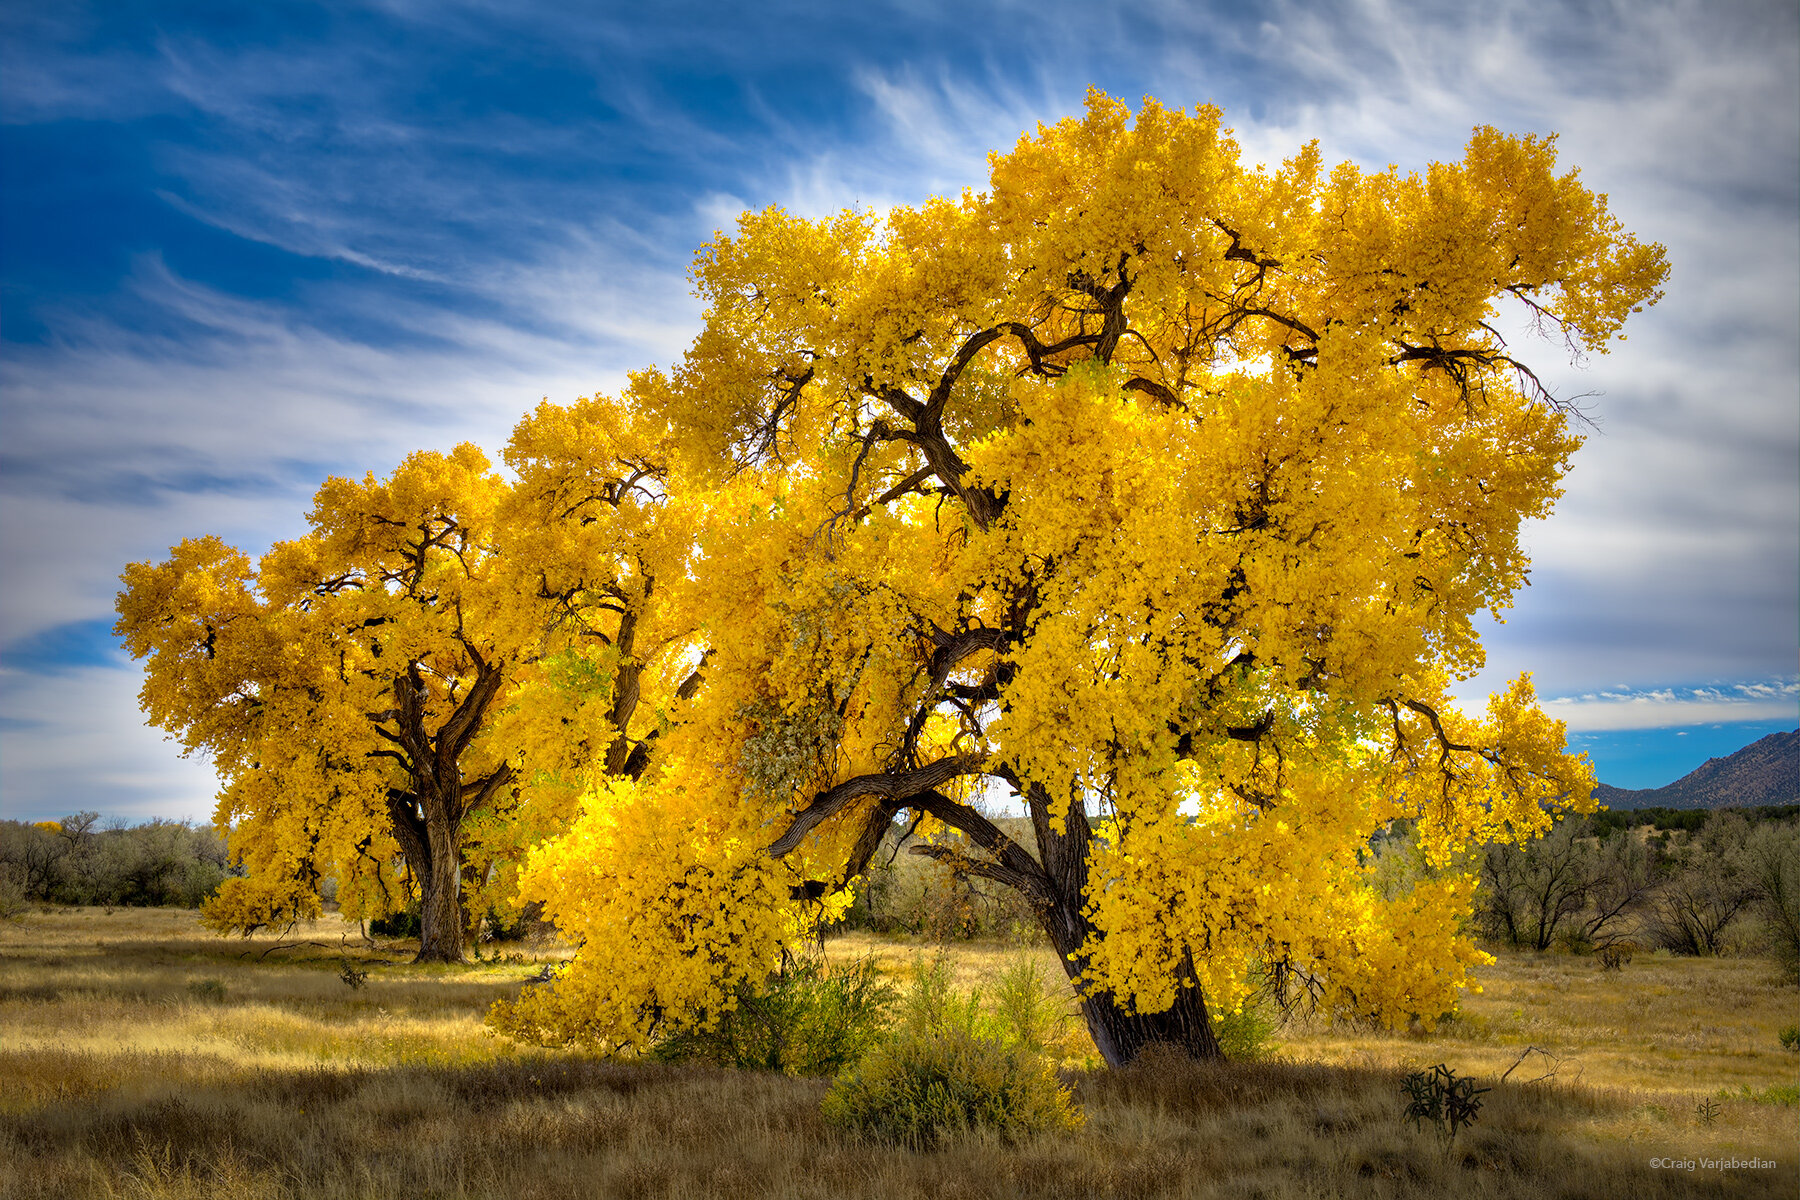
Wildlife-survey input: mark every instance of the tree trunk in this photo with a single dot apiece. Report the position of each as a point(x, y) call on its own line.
point(440, 906)
point(1054, 884)
point(1119, 1034)
point(423, 831)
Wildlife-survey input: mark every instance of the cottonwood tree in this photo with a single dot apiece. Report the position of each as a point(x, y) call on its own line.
point(587, 531)
point(1157, 491)
point(353, 688)
point(342, 687)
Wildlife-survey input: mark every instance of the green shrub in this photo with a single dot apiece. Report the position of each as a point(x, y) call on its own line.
point(1775, 863)
point(406, 923)
point(918, 1088)
point(932, 1003)
point(1575, 941)
point(1787, 1095)
point(13, 900)
point(1243, 1035)
point(1030, 1013)
point(806, 1020)
point(1442, 1099)
point(1790, 1037)
point(151, 865)
point(953, 1066)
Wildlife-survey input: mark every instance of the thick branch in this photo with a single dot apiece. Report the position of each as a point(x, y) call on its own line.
point(454, 738)
point(1012, 864)
point(889, 786)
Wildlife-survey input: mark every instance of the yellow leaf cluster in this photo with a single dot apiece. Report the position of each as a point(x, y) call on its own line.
point(1157, 491)
point(1160, 491)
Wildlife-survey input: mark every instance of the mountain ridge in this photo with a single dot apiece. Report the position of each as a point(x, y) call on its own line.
point(1767, 771)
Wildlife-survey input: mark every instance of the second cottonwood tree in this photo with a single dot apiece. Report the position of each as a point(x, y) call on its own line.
point(401, 700)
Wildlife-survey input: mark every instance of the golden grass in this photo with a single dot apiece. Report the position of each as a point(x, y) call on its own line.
point(142, 1057)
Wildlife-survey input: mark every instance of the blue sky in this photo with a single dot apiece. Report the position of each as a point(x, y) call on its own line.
point(246, 246)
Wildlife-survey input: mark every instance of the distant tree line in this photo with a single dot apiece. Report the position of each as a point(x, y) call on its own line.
point(1687, 819)
point(73, 861)
point(1690, 881)
point(1703, 883)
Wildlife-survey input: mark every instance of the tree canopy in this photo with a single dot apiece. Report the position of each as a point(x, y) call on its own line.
point(392, 701)
point(1154, 490)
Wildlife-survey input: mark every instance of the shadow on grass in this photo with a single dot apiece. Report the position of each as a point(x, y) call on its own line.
point(559, 1125)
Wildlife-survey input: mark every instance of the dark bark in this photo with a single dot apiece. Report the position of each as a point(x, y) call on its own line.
point(427, 816)
point(1119, 1033)
point(1054, 883)
point(440, 904)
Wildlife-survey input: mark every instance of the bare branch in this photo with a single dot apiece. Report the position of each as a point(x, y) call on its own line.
point(889, 786)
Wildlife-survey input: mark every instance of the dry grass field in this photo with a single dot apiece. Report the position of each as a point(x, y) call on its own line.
point(142, 1057)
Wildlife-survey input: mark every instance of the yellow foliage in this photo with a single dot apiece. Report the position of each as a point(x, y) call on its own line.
point(1159, 491)
point(262, 901)
point(366, 691)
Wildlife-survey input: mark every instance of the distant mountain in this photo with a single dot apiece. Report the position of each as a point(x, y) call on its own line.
point(1766, 771)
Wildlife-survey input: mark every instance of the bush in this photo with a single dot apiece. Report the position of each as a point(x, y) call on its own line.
point(1442, 1099)
point(525, 925)
point(918, 1088)
point(13, 900)
point(158, 863)
point(807, 1020)
point(1243, 1035)
point(402, 924)
point(1615, 956)
point(953, 1067)
point(1775, 865)
point(1712, 882)
point(1029, 1013)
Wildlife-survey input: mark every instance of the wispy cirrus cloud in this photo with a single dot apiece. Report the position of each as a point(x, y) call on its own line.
point(1668, 708)
point(264, 252)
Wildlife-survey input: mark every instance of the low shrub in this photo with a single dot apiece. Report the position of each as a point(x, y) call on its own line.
point(954, 1066)
point(1787, 1095)
point(210, 990)
point(524, 925)
point(1615, 956)
point(1029, 1012)
point(406, 923)
point(805, 1020)
point(918, 1088)
point(1442, 1099)
point(1575, 941)
point(1243, 1035)
point(13, 899)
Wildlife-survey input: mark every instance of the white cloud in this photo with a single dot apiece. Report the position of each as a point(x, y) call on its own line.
point(1664, 708)
point(75, 741)
point(1673, 557)
point(120, 443)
